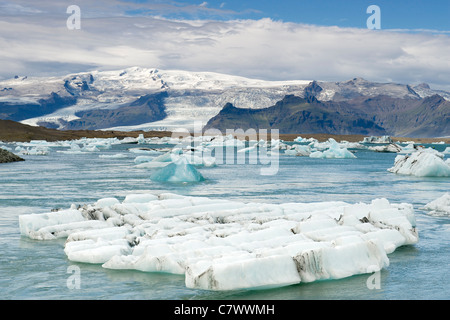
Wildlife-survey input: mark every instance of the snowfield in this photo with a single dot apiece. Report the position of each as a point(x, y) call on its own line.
point(226, 245)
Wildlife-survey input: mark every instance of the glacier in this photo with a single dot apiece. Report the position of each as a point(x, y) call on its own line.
point(221, 245)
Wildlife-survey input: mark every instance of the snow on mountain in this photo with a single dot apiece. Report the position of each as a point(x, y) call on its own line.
point(192, 96)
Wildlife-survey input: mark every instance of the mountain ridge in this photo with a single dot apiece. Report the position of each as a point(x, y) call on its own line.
point(429, 117)
point(114, 100)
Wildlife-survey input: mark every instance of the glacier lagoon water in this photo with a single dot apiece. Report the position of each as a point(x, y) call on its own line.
point(32, 269)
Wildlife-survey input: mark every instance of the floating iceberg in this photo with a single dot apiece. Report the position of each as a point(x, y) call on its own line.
point(372, 139)
point(409, 148)
point(143, 159)
point(113, 156)
point(440, 206)
point(220, 244)
point(446, 151)
point(299, 150)
point(33, 151)
point(147, 151)
point(180, 170)
point(351, 145)
point(333, 151)
point(422, 163)
point(199, 159)
point(300, 139)
point(392, 147)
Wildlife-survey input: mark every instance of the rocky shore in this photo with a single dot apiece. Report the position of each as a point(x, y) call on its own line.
point(6, 156)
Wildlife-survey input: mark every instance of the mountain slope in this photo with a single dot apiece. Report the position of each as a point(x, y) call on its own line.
point(294, 115)
point(380, 115)
point(151, 99)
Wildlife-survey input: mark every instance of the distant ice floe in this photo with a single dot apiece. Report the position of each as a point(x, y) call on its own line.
point(392, 147)
point(440, 206)
point(113, 156)
point(33, 151)
point(220, 244)
point(373, 139)
point(422, 163)
point(329, 149)
point(334, 151)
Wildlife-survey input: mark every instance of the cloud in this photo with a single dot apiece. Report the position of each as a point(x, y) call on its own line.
point(263, 48)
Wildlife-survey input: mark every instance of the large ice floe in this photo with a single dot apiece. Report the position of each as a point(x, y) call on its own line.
point(422, 163)
point(220, 244)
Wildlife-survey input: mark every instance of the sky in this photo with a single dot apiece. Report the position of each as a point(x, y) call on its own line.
point(327, 40)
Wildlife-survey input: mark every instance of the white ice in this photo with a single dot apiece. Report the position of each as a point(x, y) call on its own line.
point(422, 163)
point(373, 139)
point(221, 244)
point(179, 170)
point(392, 147)
point(299, 150)
point(440, 206)
point(113, 156)
point(334, 151)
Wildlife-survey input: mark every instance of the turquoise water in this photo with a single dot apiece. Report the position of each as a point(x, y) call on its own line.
point(32, 269)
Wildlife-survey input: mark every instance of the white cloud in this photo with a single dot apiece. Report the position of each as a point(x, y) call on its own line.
point(255, 48)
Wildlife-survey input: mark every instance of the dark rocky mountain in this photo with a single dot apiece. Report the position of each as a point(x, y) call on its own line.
point(22, 111)
point(379, 115)
point(147, 108)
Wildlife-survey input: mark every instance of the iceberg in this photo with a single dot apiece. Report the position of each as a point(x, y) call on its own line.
point(373, 139)
point(179, 170)
point(299, 150)
point(33, 151)
point(147, 151)
point(200, 159)
point(422, 163)
point(220, 244)
point(392, 147)
point(352, 145)
point(143, 159)
point(440, 206)
point(334, 151)
point(409, 148)
point(113, 156)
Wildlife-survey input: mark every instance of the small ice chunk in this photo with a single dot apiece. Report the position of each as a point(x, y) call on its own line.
point(440, 206)
point(178, 171)
point(333, 152)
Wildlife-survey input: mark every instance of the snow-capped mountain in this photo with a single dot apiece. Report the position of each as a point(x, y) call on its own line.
point(190, 95)
point(141, 98)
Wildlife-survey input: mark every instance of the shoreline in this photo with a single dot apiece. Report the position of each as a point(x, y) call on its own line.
point(11, 131)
